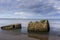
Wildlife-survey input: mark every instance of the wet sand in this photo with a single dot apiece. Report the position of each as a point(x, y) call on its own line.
point(18, 35)
point(15, 37)
point(24, 35)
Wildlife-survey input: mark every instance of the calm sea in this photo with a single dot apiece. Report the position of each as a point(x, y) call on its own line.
point(22, 34)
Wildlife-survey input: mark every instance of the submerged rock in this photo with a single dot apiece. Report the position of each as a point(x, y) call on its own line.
point(42, 26)
point(13, 26)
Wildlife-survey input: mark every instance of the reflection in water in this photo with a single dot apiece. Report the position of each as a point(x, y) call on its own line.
point(11, 32)
point(21, 34)
point(15, 31)
point(39, 36)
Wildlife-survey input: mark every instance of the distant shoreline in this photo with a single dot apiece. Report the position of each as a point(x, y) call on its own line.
point(24, 19)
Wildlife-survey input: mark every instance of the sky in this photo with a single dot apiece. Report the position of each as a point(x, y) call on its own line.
point(30, 9)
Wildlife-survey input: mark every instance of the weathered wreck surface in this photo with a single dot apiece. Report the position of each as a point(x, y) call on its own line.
point(42, 26)
point(12, 26)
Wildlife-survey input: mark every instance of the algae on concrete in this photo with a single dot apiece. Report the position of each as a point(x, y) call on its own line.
point(42, 26)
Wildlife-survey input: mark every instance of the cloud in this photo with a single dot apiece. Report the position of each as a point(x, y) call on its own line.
point(18, 0)
point(23, 13)
point(5, 1)
point(29, 8)
point(27, 15)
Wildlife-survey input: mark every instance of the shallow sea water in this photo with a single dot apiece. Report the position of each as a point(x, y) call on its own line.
point(22, 34)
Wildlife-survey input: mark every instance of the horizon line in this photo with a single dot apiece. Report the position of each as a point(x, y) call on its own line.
point(24, 19)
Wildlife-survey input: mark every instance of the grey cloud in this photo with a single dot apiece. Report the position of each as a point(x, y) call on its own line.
point(37, 6)
point(42, 7)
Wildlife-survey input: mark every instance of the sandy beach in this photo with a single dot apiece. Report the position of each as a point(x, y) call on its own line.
point(18, 35)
